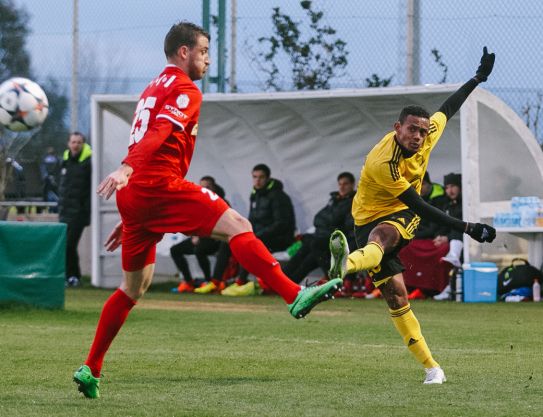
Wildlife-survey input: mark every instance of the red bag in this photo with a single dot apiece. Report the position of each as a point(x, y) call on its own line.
point(423, 266)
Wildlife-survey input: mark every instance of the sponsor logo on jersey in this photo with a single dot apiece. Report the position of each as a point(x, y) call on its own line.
point(182, 101)
point(176, 112)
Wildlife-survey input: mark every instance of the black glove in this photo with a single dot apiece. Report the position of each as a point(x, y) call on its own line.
point(481, 232)
point(486, 65)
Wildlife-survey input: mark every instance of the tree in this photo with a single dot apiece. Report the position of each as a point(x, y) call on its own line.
point(438, 58)
point(14, 58)
point(376, 81)
point(532, 113)
point(314, 59)
point(101, 71)
point(16, 61)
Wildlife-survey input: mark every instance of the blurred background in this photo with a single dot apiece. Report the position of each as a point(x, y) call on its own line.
point(77, 48)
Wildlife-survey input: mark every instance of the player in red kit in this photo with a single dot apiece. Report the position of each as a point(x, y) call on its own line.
point(154, 198)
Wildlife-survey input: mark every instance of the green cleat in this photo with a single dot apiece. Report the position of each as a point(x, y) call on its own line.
point(87, 383)
point(339, 251)
point(311, 296)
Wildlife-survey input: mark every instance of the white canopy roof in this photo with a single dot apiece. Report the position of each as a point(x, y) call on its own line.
point(308, 138)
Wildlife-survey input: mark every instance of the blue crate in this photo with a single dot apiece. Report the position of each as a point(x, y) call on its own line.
point(480, 282)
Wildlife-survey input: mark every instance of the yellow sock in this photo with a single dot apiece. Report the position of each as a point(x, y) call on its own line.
point(409, 328)
point(366, 258)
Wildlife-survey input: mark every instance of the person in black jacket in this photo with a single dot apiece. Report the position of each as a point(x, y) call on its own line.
point(202, 247)
point(453, 207)
point(447, 235)
point(272, 216)
point(314, 251)
point(433, 194)
point(74, 200)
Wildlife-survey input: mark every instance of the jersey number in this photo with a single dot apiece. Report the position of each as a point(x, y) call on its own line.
point(210, 193)
point(141, 119)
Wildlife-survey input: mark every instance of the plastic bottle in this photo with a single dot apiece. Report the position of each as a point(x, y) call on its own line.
point(515, 202)
point(458, 289)
point(536, 291)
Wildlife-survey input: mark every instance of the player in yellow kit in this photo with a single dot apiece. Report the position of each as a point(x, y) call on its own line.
point(387, 209)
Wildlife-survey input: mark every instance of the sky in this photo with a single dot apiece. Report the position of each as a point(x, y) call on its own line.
point(133, 31)
point(121, 42)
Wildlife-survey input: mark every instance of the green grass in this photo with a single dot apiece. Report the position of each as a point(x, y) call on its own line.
point(217, 356)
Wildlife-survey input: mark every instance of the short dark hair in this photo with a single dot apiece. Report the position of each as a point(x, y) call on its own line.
point(347, 175)
point(182, 33)
point(413, 110)
point(77, 133)
point(208, 178)
point(264, 168)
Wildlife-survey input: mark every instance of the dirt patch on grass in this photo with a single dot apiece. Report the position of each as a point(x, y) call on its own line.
point(219, 307)
point(202, 306)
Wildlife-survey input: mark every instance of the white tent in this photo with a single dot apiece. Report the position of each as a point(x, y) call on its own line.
point(308, 138)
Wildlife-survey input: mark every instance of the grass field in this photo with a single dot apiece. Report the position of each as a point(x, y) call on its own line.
point(215, 356)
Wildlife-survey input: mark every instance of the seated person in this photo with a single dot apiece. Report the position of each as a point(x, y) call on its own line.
point(425, 274)
point(315, 252)
point(226, 267)
point(202, 247)
point(453, 189)
point(272, 216)
point(434, 194)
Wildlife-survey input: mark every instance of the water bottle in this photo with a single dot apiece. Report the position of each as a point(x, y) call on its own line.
point(527, 216)
point(536, 291)
point(498, 220)
point(458, 284)
point(515, 201)
point(539, 218)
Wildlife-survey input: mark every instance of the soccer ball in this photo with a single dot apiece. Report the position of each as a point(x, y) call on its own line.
point(23, 104)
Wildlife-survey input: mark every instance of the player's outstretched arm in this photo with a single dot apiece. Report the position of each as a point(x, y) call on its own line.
point(115, 181)
point(478, 231)
point(455, 101)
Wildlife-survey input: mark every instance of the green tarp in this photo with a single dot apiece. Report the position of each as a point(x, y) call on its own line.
point(32, 263)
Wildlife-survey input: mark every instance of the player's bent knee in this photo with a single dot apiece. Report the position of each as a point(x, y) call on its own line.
point(231, 224)
point(136, 283)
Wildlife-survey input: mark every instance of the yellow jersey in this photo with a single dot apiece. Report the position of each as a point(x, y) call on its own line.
point(387, 174)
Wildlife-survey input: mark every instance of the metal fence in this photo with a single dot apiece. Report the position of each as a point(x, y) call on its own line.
point(120, 43)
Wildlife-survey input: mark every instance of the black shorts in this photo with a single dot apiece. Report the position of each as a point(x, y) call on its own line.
point(406, 221)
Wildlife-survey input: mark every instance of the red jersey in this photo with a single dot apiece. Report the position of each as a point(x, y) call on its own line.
point(164, 128)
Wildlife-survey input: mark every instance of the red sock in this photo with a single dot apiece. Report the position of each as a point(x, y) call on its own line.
point(257, 259)
point(114, 313)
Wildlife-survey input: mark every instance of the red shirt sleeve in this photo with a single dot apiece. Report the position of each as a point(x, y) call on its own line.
point(179, 108)
point(151, 141)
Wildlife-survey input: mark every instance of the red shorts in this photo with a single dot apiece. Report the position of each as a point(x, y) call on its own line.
point(179, 206)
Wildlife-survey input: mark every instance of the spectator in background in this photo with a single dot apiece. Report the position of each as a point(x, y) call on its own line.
point(315, 251)
point(49, 171)
point(74, 200)
point(433, 194)
point(202, 247)
point(272, 216)
point(455, 239)
point(425, 275)
point(19, 184)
